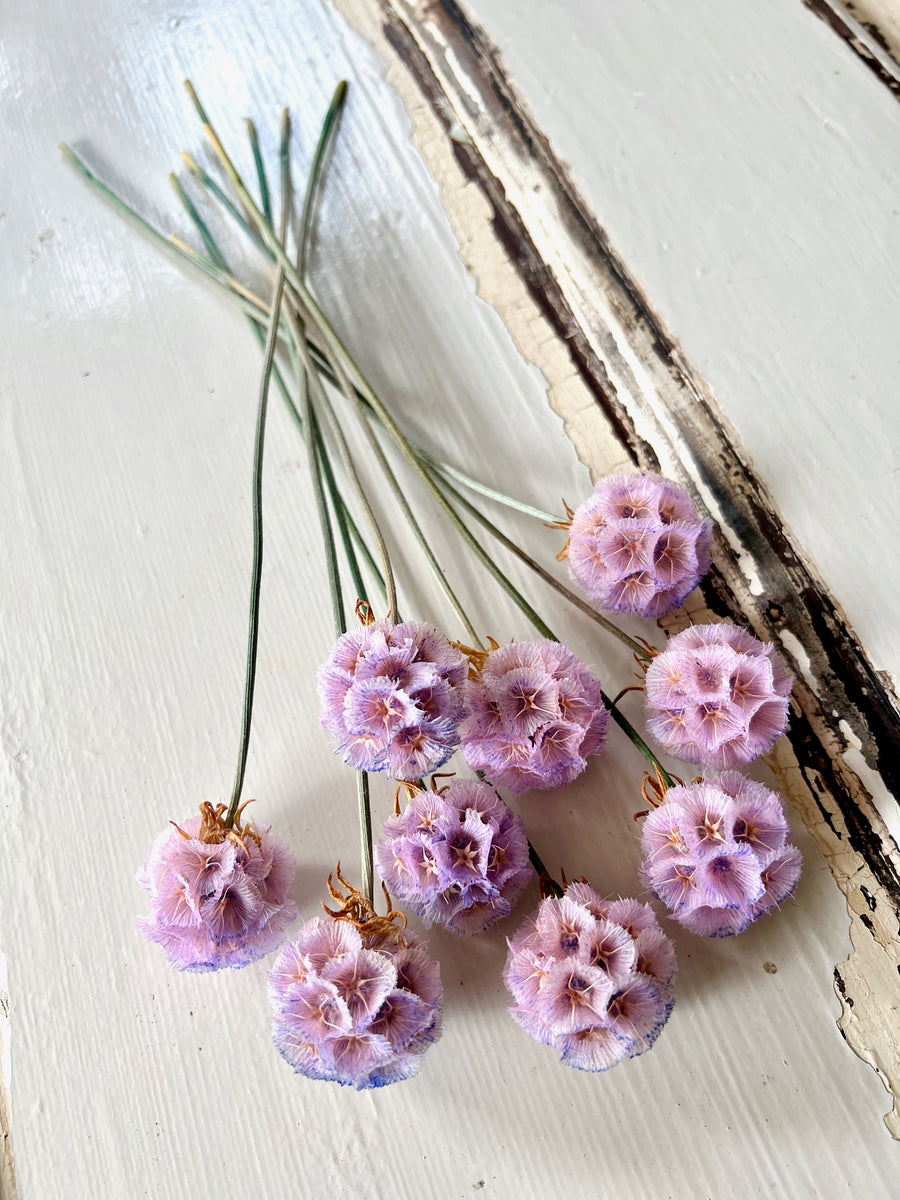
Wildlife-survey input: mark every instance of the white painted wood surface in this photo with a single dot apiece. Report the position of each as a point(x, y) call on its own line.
point(746, 166)
point(124, 473)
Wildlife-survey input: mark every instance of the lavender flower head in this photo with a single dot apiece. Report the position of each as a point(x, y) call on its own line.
point(593, 978)
point(457, 857)
point(391, 696)
point(719, 854)
point(534, 715)
point(637, 544)
point(717, 696)
point(218, 897)
point(356, 1004)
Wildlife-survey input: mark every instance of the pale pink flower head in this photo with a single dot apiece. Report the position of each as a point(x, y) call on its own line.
point(638, 545)
point(355, 1002)
point(457, 857)
point(593, 978)
point(218, 897)
point(717, 696)
point(391, 695)
point(533, 716)
point(719, 854)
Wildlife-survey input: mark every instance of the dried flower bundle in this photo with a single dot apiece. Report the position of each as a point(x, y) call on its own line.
point(356, 997)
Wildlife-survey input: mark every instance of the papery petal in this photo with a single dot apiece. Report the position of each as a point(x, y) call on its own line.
point(595, 1049)
point(572, 996)
point(780, 876)
point(729, 878)
point(638, 1010)
point(363, 982)
point(610, 948)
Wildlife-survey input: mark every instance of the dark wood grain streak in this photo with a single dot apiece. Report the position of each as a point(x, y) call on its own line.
point(865, 39)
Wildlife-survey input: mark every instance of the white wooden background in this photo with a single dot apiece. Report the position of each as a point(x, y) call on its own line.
point(124, 468)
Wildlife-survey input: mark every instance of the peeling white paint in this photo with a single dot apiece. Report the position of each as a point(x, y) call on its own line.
point(795, 648)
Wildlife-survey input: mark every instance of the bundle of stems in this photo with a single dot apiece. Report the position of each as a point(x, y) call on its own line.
point(321, 367)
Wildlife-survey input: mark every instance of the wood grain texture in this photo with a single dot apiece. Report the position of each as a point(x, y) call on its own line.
point(124, 480)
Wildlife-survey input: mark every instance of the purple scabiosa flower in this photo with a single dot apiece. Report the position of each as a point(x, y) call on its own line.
point(356, 1000)
point(533, 715)
point(218, 897)
point(593, 978)
point(717, 696)
point(718, 854)
point(391, 696)
point(637, 544)
point(457, 857)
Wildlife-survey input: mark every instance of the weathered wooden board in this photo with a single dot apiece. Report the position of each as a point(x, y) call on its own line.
point(124, 470)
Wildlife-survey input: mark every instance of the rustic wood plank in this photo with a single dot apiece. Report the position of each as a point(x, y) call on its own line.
point(664, 415)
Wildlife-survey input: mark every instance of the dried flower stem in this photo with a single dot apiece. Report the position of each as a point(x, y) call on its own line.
point(317, 455)
point(256, 577)
point(483, 489)
point(260, 169)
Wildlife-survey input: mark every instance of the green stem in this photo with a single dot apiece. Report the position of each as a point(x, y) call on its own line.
point(323, 405)
point(256, 579)
point(484, 489)
point(216, 270)
point(365, 836)
point(402, 502)
point(337, 355)
point(329, 129)
point(260, 169)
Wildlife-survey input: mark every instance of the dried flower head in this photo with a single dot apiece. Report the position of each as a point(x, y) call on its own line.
point(718, 854)
point(637, 544)
point(717, 696)
point(356, 999)
point(593, 978)
point(456, 857)
point(533, 716)
point(391, 696)
point(218, 897)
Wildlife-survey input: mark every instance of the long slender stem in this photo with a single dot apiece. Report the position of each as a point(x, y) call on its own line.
point(260, 169)
point(326, 136)
point(484, 489)
point(216, 269)
point(318, 454)
point(256, 578)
